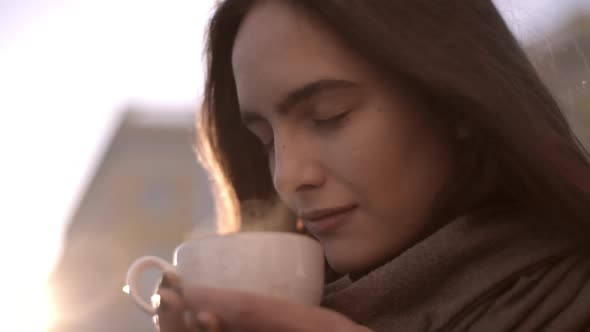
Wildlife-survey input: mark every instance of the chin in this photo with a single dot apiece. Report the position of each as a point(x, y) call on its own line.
point(347, 261)
point(349, 257)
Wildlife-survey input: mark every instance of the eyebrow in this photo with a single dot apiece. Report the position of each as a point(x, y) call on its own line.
point(299, 95)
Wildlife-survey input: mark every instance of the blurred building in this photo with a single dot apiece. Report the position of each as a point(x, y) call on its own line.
point(563, 60)
point(148, 193)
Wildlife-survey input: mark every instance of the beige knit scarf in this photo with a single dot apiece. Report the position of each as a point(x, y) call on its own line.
point(500, 273)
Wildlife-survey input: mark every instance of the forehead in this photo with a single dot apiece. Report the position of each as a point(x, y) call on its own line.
point(279, 49)
point(267, 29)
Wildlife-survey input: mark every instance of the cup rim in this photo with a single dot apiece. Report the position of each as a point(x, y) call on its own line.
point(191, 241)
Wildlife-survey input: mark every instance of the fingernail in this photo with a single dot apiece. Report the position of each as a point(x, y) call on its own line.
point(202, 321)
point(195, 323)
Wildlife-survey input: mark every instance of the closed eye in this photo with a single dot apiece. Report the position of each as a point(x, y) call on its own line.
point(331, 120)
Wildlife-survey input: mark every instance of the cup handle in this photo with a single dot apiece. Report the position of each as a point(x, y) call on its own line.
point(136, 269)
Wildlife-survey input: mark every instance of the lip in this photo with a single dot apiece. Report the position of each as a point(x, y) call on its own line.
point(326, 220)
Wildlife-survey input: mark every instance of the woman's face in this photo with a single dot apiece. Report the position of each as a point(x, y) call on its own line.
point(357, 160)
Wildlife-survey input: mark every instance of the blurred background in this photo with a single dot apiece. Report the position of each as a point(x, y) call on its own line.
point(97, 106)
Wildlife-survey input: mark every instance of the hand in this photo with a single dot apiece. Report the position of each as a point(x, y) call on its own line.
point(171, 308)
point(218, 310)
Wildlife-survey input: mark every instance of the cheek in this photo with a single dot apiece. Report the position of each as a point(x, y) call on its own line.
point(393, 163)
point(368, 151)
point(376, 160)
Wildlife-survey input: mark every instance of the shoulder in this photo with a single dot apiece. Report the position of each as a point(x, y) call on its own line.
point(553, 296)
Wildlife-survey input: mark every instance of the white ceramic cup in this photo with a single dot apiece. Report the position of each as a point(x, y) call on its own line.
point(283, 265)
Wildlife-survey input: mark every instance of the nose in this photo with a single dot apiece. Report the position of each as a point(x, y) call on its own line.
point(295, 169)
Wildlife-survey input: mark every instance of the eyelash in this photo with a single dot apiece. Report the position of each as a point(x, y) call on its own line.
point(332, 120)
point(320, 123)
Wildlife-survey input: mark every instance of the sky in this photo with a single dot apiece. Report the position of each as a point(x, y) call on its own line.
point(67, 69)
point(531, 19)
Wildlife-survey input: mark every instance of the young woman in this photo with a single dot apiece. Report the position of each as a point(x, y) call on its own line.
point(421, 149)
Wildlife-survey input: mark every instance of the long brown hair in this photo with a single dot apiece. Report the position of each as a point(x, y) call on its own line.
point(462, 59)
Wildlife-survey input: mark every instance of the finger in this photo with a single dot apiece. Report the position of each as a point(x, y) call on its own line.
point(228, 306)
point(172, 281)
point(171, 312)
point(203, 321)
point(251, 312)
point(208, 321)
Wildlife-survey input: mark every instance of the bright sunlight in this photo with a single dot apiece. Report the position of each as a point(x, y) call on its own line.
point(58, 58)
point(31, 309)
